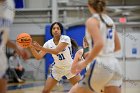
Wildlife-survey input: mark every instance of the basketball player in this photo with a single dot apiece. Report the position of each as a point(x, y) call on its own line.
point(80, 54)
point(6, 19)
point(60, 47)
point(105, 70)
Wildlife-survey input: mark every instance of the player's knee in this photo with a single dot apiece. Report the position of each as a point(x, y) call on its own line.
point(46, 91)
point(71, 91)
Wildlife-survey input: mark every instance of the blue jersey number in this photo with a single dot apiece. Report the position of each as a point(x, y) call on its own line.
point(109, 34)
point(61, 56)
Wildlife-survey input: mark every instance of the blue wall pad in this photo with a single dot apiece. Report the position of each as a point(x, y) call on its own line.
point(19, 3)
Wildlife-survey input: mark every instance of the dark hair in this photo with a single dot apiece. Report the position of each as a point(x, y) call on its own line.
point(60, 25)
point(74, 45)
point(98, 5)
point(107, 25)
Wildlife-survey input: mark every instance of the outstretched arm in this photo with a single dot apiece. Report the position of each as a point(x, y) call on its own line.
point(38, 54)
point(22, 52)
point(60, 47)
point(77, 58)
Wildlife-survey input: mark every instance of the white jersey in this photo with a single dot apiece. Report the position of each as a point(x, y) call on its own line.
point(7, 10)
point(107, 35)
point(64, 58)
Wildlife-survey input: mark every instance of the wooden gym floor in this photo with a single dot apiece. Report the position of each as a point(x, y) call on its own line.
point(37, 86)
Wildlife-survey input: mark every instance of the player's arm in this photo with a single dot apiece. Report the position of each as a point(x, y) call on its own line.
point(58, 49)
point(22, 52)
point(11, 44)
point(42, 51)
point(117, 42)
point(78, 56)
point(37, 54)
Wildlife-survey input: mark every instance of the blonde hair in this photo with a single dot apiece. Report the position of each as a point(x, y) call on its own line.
point(98, 5)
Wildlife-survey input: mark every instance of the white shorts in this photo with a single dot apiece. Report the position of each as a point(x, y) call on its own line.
point(104, 71)
point(57, 73)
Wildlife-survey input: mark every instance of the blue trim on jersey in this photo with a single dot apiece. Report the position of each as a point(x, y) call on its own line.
point(70, 49)
point(51, 70)
point(64, 77)
point(52, 75)
point(53, 64)
point(92, 68)
point(82, 78)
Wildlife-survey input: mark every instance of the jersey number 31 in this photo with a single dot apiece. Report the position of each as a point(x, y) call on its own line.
point(61, 56)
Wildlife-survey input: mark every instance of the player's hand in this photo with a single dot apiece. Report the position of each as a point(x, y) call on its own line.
point(25, 54)
point(78, 67)
point(36, 45)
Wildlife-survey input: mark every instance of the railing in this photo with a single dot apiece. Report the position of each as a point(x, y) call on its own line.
point(67, 15)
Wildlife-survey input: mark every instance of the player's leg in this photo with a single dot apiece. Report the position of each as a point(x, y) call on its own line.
point(3, 85)
point(52, 80)
point(78, 89)
point(3, 68)
point(50, 83)
point(74, 79)
point(95, 78)
point(83, 85)
point(112, 89)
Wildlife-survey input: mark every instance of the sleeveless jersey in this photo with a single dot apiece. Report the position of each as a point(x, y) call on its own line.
point(107, 35)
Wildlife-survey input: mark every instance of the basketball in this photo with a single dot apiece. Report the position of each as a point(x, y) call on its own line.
point(23, 40)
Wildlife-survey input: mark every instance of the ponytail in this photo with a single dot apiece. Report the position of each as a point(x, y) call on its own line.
point(74, 45)
point(98, 5)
